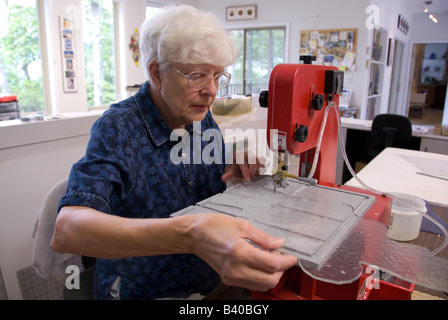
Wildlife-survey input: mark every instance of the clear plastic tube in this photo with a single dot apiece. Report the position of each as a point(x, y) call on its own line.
point(392, 196)
point(321, 134)
point(333, 105)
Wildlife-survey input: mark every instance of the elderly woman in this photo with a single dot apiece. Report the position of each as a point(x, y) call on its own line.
point(122, 191)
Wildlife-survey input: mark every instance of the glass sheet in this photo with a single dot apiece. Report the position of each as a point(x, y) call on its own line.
point(368, 243)
point(313, 220)
point(323, 228)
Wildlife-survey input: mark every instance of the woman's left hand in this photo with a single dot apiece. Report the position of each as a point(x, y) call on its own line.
point(245, 166)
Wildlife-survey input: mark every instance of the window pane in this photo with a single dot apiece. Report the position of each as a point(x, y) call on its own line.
point(20, 58)
point(263, 50)
point(236, 70)
point(98, 37)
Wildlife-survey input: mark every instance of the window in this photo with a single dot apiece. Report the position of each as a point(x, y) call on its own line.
point(260, 50)
point(20, 55)
point(98, 37)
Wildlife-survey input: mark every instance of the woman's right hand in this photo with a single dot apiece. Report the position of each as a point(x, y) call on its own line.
point(223, 242)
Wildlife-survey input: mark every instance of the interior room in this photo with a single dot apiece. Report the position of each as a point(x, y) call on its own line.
point(63, 65)
point(432, 82)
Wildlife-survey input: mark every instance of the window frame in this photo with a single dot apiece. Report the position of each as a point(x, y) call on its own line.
point(48, 108)
point(117, 59)
point(42, 33)
point(246, 29)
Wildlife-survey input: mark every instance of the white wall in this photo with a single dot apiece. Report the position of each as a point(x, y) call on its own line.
point(33, 157)
point(131, 14)
point(299, 15)
point(425, 31)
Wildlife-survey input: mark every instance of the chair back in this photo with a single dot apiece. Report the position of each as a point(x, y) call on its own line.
point(46, 262)
point(391, 129)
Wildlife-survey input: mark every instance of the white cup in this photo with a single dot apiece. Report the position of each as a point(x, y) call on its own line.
point(405, 222)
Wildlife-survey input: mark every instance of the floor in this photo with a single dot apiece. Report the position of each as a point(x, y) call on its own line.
point(431, 117)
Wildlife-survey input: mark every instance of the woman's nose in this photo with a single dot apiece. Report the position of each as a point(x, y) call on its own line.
point(211, 88)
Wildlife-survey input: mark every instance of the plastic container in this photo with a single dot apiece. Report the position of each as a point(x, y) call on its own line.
point(7, 98)
point(405, 222)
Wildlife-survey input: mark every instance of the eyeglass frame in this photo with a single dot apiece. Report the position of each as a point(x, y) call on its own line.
point(225, 73)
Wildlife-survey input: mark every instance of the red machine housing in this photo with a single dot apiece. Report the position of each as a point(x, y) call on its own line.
point(297, 98)
point(297, 102)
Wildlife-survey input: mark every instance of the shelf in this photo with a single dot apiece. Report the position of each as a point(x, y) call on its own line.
point(379, 45)
point(376, 79)
point(372, 107)
point(376, 66)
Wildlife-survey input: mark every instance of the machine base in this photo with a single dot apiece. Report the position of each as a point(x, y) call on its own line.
point(297, 285)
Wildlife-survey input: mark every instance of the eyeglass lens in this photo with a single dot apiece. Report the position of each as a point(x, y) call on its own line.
point(199, 80)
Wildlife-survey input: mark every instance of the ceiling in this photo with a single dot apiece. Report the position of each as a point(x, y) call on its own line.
point(417, 6)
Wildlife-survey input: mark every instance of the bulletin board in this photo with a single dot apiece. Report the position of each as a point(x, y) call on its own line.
point(331, 47)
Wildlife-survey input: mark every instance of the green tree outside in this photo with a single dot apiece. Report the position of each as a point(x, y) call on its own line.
point(20, 58)
point(98, 37)
point(260, 50)
point(19, 49)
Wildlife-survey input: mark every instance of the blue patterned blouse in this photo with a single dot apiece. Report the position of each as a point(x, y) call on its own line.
point(127, 171)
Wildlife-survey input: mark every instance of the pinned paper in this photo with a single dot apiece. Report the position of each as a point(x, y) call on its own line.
point(348, 60)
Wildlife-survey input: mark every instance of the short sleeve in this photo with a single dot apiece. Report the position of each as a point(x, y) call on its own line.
point(105, 174)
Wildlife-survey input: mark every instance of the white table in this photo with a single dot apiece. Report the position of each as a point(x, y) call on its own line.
point(422, 174)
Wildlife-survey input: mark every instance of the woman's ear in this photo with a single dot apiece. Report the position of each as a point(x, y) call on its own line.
point(154, 73)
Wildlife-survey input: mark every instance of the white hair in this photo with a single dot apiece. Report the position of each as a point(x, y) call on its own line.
point(184, 34)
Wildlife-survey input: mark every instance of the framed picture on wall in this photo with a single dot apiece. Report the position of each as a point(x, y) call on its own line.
point(68, 55)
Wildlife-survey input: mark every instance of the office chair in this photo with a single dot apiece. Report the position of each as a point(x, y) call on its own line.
point(390, 130)
point(46, 262)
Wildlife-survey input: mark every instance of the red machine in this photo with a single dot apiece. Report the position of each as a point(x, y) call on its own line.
point(297, 102)
point(297, 98)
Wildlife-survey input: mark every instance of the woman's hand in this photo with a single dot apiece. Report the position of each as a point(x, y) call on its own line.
point(245, 165)
point(223, 242)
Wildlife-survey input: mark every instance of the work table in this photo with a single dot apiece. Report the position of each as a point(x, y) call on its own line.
point(421, 131)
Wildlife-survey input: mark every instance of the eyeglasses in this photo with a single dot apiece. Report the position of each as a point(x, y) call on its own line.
point(198, 80)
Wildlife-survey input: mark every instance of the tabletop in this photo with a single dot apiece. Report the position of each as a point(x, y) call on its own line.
point(421, 174)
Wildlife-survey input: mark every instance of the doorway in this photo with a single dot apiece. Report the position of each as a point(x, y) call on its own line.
point(429, 83)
